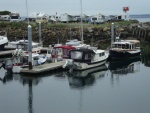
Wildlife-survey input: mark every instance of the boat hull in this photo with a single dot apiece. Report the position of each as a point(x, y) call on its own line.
point(119, 55)
point(84, 66)
point(2, 47)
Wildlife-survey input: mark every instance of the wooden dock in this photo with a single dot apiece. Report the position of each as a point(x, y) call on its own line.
point(43, 68)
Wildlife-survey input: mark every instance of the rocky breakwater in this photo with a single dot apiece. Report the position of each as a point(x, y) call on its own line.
point(99, 36)
point(141, 31)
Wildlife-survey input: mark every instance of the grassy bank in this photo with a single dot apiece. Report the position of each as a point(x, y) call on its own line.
point(23, 24)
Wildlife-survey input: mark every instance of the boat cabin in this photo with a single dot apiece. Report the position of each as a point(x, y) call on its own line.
point(62, 50)
point(85, 55)
point(36, 48)
point(126, 44)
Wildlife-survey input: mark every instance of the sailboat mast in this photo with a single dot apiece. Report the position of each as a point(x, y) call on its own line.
point(27, 11)
point(81, 22)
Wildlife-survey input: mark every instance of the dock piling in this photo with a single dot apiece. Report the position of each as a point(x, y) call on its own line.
point(30, 46)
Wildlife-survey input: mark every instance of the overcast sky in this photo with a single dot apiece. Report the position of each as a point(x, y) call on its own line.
point(89, 7)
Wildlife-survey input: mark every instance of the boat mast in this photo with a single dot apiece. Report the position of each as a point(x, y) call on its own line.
point(81, 22)
point(112, 34)
point(27, 11)
point(29, 40)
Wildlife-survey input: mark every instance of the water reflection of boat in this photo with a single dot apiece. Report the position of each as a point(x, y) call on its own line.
point(87, 77)
point(124, 66)
point(6, 76)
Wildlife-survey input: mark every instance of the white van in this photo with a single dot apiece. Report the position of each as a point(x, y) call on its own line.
point(15, 17)
point(97, 20)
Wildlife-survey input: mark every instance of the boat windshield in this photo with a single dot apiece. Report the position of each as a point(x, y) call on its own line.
point(123, 46)
point(23, 47)
point(76, 55)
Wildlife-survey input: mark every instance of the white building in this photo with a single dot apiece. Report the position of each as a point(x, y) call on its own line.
point(4, 17)
point(66, 18)
point(42, 17)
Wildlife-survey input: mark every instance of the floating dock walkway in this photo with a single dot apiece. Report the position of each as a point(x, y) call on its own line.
point(43, 68)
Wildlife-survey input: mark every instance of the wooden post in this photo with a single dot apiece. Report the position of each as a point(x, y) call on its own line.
point(40, 34)
point(112, 33)
point(30, 46)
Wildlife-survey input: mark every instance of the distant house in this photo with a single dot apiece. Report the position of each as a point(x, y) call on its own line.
point(15, 17)
point(84, 18)
point(5, 17)
point(42, 17)
point(113, 18)
point(66, 18)
point(97, 19)
point(54, 18)
point(32, 16)
point(72, 18)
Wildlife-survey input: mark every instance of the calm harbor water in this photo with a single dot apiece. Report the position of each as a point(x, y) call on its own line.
point(141, 18)
point(117, 87)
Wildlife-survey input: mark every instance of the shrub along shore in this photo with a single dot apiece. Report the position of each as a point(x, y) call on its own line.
point(54, 32)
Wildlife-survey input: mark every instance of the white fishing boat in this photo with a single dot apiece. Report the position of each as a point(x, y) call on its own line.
point(76, 43)
point(81, 59)
point(23, 44)
point(20, 60)
point(124, 49)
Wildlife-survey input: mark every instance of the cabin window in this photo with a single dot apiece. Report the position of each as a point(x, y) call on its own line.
point(35, 46)
point(76, 55)
point(88, 56)
point(130, 47)
point(23, 47)
point(65, 52)
point(49, 51)
point(59, 51)
point(123, 46)
point(94, 18)
point(133, 46)
point(101, 54)
point(126, 46)
point(14, 17)
point(54, 52)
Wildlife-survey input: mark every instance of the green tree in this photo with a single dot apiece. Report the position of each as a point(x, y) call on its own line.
point(5, 12)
